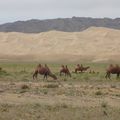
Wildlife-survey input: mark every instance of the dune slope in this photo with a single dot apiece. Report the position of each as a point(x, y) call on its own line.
point(96, 44)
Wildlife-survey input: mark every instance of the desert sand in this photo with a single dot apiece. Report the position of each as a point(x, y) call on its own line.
point(95, 44)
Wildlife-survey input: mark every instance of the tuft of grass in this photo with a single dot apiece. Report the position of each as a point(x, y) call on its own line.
point(118, 95)
point(86, 77)
point(3, 73)
point(5, 107)
point(0, 69)
point(25, 87)
point(98, 93)
point(113, 86)
point(104, 104)
point(64, 79)
point(51, 86)
point(44, 91)
point(57, 107)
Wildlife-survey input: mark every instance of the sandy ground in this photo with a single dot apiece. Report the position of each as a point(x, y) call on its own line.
point(95, 44)
point(83, 94)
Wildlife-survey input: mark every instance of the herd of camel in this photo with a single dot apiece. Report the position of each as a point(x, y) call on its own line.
point(45, 71)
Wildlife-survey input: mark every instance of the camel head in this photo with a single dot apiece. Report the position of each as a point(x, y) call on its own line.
point(39, 65)
point(53, 76)
point(88, 67)
point(78, 65)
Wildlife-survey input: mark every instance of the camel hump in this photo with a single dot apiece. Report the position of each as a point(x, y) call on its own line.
point(48, 69)
point(39, 65)
point(117, 65)
point(62, 66)
point(46, 65)
point(111, 66)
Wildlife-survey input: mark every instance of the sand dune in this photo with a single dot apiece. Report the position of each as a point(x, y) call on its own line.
point(95, 44)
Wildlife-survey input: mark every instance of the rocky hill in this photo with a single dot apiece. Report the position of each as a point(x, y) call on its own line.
point(74, 24)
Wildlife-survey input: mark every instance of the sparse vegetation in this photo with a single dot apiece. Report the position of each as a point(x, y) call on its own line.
point(98, 93)
point(25, 87)
point(104, 104)
point(82, 97)
point(51, 85)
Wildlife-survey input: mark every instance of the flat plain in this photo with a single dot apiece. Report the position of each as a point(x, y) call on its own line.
point(83, 96)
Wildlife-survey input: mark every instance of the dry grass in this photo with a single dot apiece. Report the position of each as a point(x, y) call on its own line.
point(83, 96)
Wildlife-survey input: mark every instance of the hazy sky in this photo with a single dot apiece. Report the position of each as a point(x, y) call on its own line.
point(13, 10)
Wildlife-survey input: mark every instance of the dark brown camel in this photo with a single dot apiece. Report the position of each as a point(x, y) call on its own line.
point(65, 70)
point(81, 68)
point(112, 70)
point(43, 71)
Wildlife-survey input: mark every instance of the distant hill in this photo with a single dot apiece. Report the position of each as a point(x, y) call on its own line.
point(74, 24)
point(94, 44)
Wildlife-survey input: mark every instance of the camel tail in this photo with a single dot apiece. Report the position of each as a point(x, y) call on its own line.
point(70, 74)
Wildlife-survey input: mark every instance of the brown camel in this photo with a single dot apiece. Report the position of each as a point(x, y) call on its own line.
point(112, 70)
point(65, 70)
point(81, 68)
point(43, 71)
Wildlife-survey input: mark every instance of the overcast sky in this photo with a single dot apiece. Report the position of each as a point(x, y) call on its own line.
point(13, 10)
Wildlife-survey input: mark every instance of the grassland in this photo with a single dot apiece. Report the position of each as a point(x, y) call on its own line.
point(82, 97)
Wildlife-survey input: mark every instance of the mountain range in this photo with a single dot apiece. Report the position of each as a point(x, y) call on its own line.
point(74, 24)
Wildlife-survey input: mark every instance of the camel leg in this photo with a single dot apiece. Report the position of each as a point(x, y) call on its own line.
point(65, 74)
point(82, 71)
point(44, 77)
point(69, 74)
point(35, 75)
point(60, 74)
point(76, 71)
point(117, 75)
point(109, 76)
point(106, 76)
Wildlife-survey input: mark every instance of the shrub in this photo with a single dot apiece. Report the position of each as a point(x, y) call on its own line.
point(104, 104)
point(51, 86)
point(98, 93)
point(24, 87)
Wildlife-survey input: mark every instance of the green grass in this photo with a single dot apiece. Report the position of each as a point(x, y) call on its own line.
point(17, 79)
point(23, 72)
